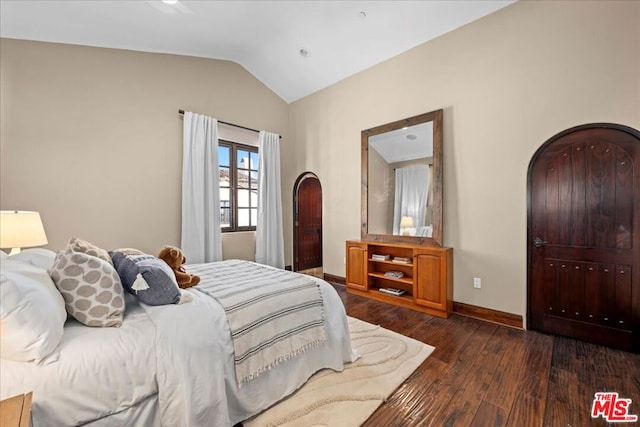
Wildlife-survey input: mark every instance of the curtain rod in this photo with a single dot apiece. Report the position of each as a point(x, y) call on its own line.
point(231, 124)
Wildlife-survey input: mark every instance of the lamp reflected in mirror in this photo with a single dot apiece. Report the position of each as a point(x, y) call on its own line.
point(406, 224)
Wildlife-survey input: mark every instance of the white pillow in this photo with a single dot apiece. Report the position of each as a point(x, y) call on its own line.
point(32, 312)
point(426, 231)
point(429, 231)
point(40, 257)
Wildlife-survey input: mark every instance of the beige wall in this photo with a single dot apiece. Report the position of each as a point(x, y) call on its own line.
point(507, 83)
point(92, 139)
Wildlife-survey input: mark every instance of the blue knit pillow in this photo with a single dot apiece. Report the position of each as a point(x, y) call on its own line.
point(149, 278)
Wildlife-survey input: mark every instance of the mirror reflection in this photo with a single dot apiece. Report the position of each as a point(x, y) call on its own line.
point(402, 181)
point(399, 191)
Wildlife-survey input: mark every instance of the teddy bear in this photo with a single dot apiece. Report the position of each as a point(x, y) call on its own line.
point(175, 258)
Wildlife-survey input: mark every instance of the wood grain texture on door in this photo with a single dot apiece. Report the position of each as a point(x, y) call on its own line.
point(584, 236)
point(307, 222)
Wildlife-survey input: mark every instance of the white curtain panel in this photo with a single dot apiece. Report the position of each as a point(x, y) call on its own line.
point(201, 236)
point(269, 230)
point(412, 188)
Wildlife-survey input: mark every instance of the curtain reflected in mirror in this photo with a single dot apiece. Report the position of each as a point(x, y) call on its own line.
point(411, 208)
point(399, 181)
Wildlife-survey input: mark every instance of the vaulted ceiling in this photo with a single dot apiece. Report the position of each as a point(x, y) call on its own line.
point(294, 47)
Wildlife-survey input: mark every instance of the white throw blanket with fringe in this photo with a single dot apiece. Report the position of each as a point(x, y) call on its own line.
point(273, 315)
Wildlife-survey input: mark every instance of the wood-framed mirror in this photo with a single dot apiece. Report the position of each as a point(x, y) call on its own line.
point(402, 181)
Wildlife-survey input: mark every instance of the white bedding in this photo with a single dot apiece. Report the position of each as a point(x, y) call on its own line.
point(99, 372)
point(181, 352)
point(196, 376)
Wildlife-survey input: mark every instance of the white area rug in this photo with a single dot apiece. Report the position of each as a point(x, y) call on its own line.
point(348, 398)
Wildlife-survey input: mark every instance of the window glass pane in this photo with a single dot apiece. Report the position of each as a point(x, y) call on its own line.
point(254, 179)
point(243, 179)
point(254, 198)
point(254, 217)
point(243, 159)
point(224, 197)
point(254, 161)
point(225, 217)
point(243, 218)
point(243, 198)
point(223, 155)
point(224, 177)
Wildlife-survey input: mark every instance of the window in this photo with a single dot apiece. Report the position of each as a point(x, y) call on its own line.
point(238, 186)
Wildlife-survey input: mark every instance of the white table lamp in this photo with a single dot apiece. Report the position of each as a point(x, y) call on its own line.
point(21, 229)
point(405, 224)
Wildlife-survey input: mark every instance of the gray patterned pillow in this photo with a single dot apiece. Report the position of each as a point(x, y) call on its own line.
point(79, 245)
point(149, 278)
point(91, 288)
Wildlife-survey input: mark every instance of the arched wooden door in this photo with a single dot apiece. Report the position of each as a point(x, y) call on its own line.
point(584, 236)
point(307, 222)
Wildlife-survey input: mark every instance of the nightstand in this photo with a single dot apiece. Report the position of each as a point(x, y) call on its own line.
point(16, 411)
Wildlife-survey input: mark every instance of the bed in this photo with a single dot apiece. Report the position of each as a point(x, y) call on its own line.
point(164, 365)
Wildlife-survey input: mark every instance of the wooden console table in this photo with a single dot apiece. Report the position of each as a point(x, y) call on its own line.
point(427, 274)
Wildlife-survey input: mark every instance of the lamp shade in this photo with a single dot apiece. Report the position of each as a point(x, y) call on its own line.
point(406, 221)
point(21, 229)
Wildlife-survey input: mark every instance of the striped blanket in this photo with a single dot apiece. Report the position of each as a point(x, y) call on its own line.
point(273, 315)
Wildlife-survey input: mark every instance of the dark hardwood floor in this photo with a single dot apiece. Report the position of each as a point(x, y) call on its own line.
point(483, 374)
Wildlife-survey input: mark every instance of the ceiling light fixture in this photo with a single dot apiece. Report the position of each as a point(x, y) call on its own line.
point(304, 52)
point(170, 1)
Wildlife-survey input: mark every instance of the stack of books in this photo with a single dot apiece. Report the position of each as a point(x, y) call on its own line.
point(402, 260)
point(392, 291)
point(379, 257)
point(394, 274)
